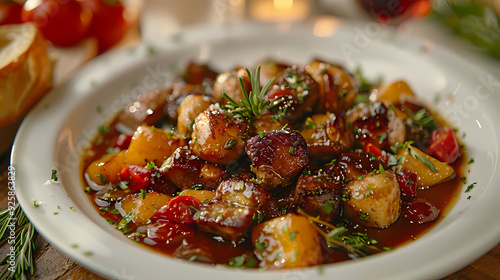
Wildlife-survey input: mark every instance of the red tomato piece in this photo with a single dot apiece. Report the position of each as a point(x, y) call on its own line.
point(123, 141)
point(109, 24)
point(10, 12)
point(407, 182)
point(137, 176)
point(64, 23)
point(376, 151)
point(279, 93)
point(420, 211)
point(444, 145)
point(179, 209)
point(167, 231)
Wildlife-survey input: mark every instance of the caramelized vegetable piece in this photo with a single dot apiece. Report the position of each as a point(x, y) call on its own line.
point(374, 123)
point(201, 195)
point(218, 136)
point(337, 88)
point(298, 91)
point(318, 195)
point(229, 83)
point(394, 93)
point(169, 232)
point(430, 171)
point(269, 69)
point(326, 135)
point(142, 209)
point(151, 144)
point(189, 109)
point(277, 157)
point(226, 219)
point(185, 170)
point(289, 241)
point(179, 209)
point(351, 166)
point(197, 74)
point(147, 110)
point(243, 192)
point(375, 201)
point(268, 123)
point(109, 167)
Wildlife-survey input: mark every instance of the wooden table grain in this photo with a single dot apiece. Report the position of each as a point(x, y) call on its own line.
point(51, 264)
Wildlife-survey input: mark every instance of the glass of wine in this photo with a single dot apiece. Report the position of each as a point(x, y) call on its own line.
point(394, 12)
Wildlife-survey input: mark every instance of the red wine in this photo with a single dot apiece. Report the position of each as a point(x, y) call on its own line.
point(395, 11)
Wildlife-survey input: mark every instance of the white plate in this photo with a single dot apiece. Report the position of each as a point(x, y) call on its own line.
point(57, 131)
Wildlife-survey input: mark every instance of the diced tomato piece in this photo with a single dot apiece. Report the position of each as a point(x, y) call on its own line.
point(407, 181)
point(420, 211)
point(279, 93)
point(179, 209)
point(123, 141)
point(376, 151)
point(167, 231)
point(444, 145)
point(137, 176)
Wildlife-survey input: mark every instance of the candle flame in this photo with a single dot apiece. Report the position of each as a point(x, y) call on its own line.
point(283, 4)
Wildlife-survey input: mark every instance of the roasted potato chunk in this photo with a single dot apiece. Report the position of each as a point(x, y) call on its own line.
point(277, 157)
point(229, 83)
point(374, 200)
point(218, 137)
point(109, 167)
point(326, 136)
point(189, 109)
point(152, 144)
point(337, 90)
point(289, 241)
point(243, 192)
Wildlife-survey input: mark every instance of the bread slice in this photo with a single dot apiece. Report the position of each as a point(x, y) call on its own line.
point(25, 70)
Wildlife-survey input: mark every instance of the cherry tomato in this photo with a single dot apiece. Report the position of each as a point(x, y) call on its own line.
point(179, 209)
point(10, 12)
point(407, 182)
point(109, 24)
point(123, 141)
point(444, 145)
point(420, 211)
point(64, 23)
point(167, 231)
point(137, 176)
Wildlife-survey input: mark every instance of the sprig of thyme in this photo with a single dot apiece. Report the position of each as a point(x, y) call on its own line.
point(24, 243)
point(254, 103)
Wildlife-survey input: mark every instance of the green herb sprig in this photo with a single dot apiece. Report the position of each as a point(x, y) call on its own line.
point(356, 245)
point(254, 103)
point(24, 244)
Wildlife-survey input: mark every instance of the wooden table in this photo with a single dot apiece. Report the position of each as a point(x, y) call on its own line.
point(51, 264)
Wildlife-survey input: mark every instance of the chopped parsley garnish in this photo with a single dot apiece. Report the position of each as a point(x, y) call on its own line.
point(54, 176)
point(470, 187)
point(103, 179)
point(143, 193)
point(230, 143)
point(422, 119)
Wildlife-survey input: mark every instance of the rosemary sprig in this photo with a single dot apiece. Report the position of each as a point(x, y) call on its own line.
point(356, 245)
point(253, 104)
point(24, 244)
